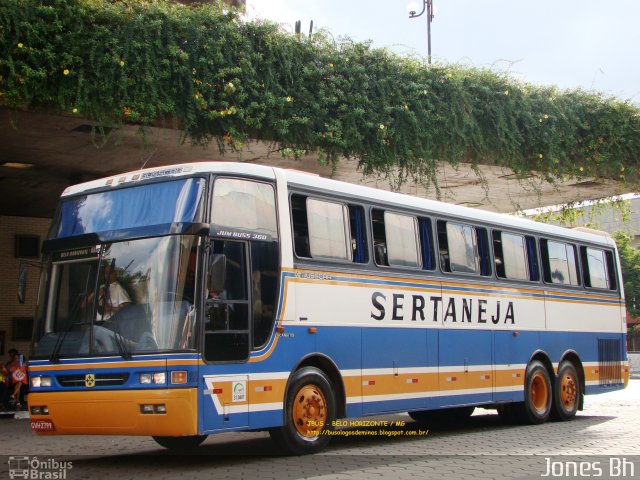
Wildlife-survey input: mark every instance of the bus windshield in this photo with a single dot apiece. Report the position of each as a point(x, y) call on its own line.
point(131, 297)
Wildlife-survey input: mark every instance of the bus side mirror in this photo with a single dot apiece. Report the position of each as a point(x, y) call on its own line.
point(22, 282)
point(216, 278)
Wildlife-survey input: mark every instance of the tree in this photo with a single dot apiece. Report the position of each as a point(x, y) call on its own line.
point(630, 264)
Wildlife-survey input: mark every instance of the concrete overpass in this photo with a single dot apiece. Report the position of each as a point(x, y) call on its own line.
point(41, 154)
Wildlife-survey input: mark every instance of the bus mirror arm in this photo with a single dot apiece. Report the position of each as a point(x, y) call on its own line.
point(216, 278)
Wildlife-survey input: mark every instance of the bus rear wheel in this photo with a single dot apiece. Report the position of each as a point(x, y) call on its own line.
point(566, 392)
point(309, 410)
point(536, 407)
point(180, 443)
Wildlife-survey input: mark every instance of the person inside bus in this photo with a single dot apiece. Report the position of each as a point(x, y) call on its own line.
point(217, 310)
point(112, 297)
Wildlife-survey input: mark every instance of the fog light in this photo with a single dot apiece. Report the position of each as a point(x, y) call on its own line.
point(161, 409)
point(178, 377)
point(146, 409)
point(45, 410)
point(145, 378)
point(160, 377)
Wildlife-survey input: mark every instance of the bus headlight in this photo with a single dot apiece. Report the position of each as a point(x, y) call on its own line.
point(159, 378)
point(41, 381)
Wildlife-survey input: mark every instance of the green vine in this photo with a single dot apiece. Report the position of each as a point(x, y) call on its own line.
point(216, 77)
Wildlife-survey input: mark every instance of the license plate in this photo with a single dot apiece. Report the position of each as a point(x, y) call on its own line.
point(42, 426)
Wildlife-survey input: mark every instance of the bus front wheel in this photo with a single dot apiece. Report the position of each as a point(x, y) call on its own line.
point(309, 412)
point(566, 392)
point(180, 443)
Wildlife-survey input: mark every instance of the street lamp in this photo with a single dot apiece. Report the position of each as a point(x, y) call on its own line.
point(427, 6)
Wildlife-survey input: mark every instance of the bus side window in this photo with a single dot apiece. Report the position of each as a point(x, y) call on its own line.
point(597, 268)
point(379, 237)
point(358, 234)
point(427, 245)
point(300, 227)
point(484, 256)
point(559, 261)
point(322, 229)
point(401, 240)
point(459, 247)
point(532, 257)
point(510, 253)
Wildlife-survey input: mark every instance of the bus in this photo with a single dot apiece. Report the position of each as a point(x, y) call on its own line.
point(212, 297)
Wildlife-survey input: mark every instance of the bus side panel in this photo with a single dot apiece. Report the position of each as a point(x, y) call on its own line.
point(394, 376)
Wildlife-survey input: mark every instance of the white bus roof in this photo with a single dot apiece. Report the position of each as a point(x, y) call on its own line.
point(360, 192)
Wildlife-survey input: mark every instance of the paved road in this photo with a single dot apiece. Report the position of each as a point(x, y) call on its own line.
point(602, 441)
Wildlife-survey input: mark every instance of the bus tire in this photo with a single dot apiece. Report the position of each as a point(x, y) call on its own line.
point(536, 407)
point(566, 392)
point(310, 406)
point(180, 443)
point(443, 416)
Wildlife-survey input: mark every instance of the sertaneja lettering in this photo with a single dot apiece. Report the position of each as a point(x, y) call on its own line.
point(397, 307)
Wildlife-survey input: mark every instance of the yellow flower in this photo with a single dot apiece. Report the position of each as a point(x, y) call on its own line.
point(122, 63)
point(74, 110)
point(289, 99)
point(331, 65)
point(382, 127)
point(65, 71)
point(541, 155)
point(229, 88)
point(20, 45)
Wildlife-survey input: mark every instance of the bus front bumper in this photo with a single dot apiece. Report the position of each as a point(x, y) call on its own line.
point(162, 412)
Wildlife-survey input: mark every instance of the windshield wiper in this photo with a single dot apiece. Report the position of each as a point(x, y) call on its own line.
point(121, 342)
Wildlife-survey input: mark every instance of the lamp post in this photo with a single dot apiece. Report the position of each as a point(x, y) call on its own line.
point(427, 6)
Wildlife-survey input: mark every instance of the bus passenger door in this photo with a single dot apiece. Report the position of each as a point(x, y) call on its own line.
point(225, 401)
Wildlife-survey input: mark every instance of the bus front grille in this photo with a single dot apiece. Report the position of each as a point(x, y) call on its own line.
point(100, 380)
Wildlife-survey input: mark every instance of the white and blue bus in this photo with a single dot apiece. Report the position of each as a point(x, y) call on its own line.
point(202, 298)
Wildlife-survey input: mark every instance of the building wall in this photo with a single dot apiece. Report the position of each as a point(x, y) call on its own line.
point(9, 305)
